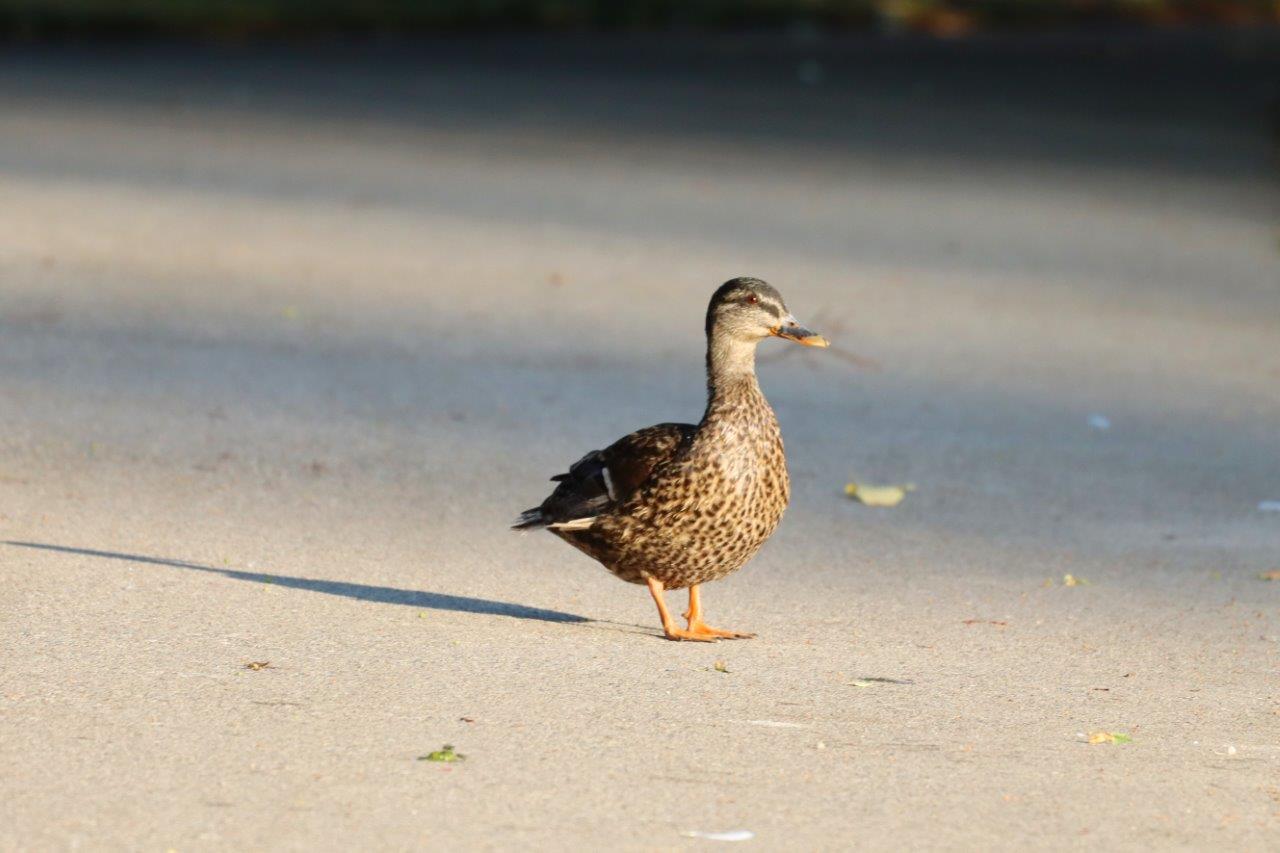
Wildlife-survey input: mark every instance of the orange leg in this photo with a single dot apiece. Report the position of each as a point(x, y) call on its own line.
point(668, 624)
point(697, 630)
point(696, 625)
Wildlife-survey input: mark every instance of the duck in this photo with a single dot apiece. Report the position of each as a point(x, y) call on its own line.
point(676, 505)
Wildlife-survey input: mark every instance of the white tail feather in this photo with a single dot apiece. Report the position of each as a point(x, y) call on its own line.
point(576, 524)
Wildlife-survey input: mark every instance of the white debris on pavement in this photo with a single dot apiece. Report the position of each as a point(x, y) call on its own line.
point(730, 835)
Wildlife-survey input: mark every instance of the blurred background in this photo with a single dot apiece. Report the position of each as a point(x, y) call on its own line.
point(231, 18)
point(302, 302)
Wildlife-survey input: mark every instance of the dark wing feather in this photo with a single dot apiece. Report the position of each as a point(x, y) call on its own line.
point(604, 478)
point(632, 459)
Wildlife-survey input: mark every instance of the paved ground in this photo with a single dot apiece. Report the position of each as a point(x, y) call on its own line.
point(288, 337)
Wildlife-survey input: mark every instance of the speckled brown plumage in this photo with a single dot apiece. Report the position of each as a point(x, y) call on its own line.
point(677, 505)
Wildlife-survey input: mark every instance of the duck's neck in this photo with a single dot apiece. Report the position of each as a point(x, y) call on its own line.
point(731, 376)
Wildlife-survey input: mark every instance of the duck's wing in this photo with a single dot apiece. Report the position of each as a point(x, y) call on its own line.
point(605, 478)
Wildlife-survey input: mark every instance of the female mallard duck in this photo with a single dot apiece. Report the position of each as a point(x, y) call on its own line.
point(677, 505)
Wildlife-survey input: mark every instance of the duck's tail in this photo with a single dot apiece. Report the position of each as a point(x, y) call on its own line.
point(530, 519)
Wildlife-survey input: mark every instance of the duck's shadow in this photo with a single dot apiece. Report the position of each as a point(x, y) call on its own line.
point(358, 591)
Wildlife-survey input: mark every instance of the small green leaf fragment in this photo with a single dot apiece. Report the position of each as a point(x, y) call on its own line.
point(444, 753)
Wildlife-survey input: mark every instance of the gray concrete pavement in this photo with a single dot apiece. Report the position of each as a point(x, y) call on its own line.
point(288, 337)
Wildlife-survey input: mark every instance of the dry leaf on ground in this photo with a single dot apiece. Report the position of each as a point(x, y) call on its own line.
point(878, 495)
point(1109, 737)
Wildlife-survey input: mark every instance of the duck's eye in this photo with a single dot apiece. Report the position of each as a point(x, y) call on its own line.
point(752, 299)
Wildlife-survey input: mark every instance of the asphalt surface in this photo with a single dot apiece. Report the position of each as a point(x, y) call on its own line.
point(288, 336)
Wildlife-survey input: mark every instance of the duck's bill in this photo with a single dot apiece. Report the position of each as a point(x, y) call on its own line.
point(801, 335)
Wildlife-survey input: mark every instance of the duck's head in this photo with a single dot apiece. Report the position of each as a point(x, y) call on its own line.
point(748, 309)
